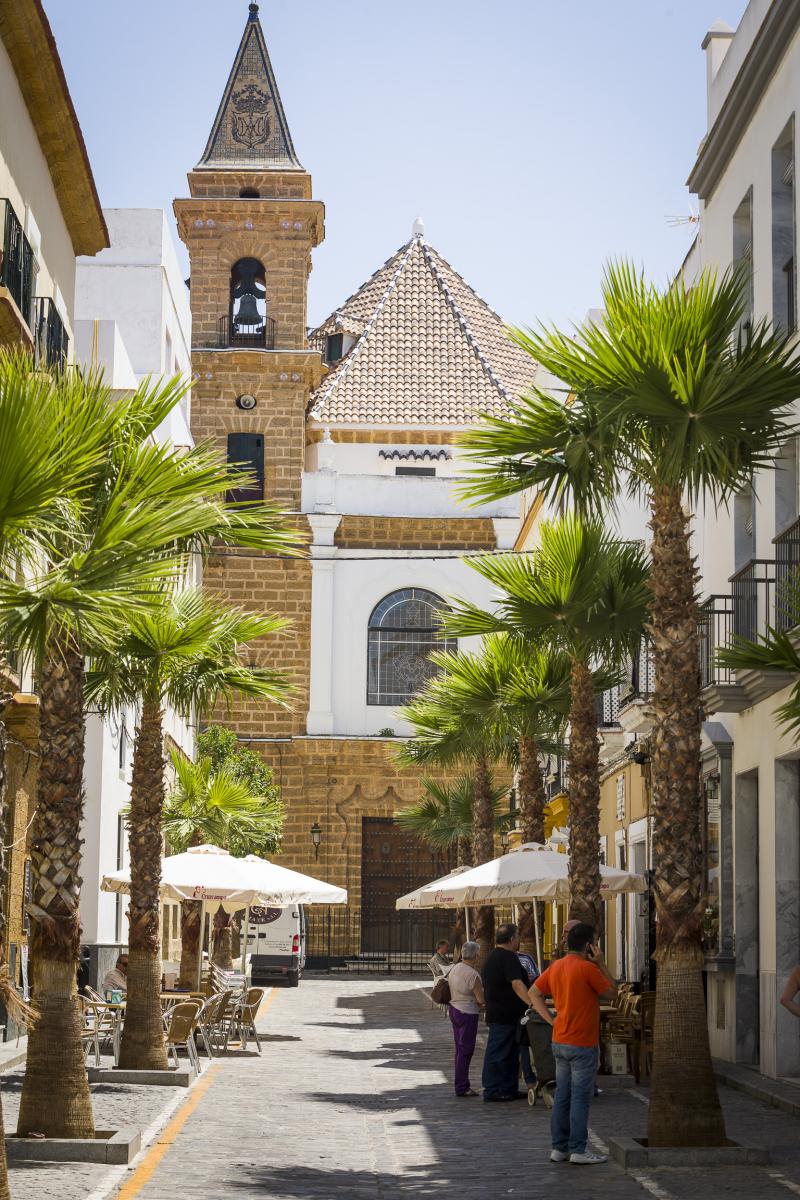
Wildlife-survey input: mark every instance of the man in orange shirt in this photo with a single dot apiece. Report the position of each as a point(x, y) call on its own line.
point(577, 983)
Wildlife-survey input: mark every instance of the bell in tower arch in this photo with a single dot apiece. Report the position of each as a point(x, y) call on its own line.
point(248, 301)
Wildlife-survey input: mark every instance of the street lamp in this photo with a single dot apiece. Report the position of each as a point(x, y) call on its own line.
point(316, 838)
point(504, 839)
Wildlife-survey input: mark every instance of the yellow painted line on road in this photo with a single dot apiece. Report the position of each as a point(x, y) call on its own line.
point(146, 1168)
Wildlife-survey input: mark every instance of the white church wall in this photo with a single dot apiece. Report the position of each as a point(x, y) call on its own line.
point(347, 586)
point(394, 496)
point(358, 458)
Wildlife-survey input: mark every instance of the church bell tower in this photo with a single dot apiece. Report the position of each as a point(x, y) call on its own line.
point(250, 225)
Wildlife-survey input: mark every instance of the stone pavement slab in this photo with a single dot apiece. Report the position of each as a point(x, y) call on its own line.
point(115, 1106)
point(352, 1099)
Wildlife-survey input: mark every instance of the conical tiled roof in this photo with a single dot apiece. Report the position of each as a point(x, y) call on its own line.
point(428, 352)
point(250, 130)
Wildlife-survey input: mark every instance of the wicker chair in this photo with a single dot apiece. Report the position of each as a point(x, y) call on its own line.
point(182, 1026)
point(209, 1017)
point(243, 1018)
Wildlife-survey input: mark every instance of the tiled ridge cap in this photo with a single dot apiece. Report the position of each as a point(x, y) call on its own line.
point(356, 350)
point(338, 311)
point(472, 341)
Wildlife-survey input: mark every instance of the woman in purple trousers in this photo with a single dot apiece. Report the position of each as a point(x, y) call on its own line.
point(466, 1001)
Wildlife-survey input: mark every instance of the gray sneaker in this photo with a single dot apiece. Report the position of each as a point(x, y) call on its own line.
point(558, 1156)
point(588, 1158)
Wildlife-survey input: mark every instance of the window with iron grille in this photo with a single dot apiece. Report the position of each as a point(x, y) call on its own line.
point(17, 262)
point(403, 631)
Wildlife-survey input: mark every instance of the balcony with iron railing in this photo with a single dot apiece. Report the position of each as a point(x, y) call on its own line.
point(235, 333)
point(17, 277)
point(51, 341)
point(764, 595)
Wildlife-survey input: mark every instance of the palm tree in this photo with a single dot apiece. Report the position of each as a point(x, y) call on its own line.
point(446, 735)
point(443, 815)
point(186, 654)
point(585, 593)
point(49, 441)
point(669, 401)
point(138, 506)
point(209, 805)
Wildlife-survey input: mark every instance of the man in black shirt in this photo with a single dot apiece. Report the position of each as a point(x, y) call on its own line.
point(506, 992)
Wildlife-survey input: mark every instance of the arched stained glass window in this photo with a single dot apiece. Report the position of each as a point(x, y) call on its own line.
point(403, 630)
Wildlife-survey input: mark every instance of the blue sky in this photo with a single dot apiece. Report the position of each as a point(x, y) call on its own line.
point(537, 138)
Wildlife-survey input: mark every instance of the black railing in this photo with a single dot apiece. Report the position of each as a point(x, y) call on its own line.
point(350, 941)
point(715, 631)
point(753, 598)
point(17, 261)
point(258, 336)
point(51, 343)
point(787, 578)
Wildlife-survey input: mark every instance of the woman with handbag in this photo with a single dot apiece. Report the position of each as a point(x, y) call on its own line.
point(466, 1001)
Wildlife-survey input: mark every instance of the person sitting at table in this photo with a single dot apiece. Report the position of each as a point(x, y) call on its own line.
point(439, 964)
point(116, 979)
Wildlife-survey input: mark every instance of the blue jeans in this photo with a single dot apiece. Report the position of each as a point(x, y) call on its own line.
point(500, 1062)
point(576, 1068)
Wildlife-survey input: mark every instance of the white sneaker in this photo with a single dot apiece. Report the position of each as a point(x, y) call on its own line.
point(558, 1156)
point(588, 1158)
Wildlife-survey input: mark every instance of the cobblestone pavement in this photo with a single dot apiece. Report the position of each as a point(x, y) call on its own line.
point(352, 1099)
point(115, 1106)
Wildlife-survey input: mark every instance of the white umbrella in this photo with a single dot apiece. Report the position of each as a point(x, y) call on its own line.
point(414, 899)
point(530, 872)
point(213, 876)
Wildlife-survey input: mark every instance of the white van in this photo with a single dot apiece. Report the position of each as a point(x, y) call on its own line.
point(276, 944)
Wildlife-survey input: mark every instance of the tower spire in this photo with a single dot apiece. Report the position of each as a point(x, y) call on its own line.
point(250, 129)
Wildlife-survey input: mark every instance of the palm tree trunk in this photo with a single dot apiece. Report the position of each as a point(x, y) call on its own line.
point(463, 852)
point(532, 800)
point(143, 1047)
point(55, 1092)
point(221, 955)
point(684, 1106)
point(483, 851)
point(584, 800)
point(190, 943)
point(530, 792)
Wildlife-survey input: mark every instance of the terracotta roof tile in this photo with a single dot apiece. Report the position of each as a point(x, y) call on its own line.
point(428, 352)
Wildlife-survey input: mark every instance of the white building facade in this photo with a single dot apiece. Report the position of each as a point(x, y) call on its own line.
point(132, 322)
point(744, 177)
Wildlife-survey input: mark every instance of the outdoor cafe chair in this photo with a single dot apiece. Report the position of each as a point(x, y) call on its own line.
point(243, 1018)
point(182, 1025)
point(208, 1020)
point(90, 1033)
point(100, 1024)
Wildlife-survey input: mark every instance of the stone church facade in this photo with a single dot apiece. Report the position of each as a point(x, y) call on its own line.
point(351, 429)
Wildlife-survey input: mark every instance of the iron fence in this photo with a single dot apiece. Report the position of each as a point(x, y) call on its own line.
point(753, 597)
point(259, 335)
point(348, 941)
